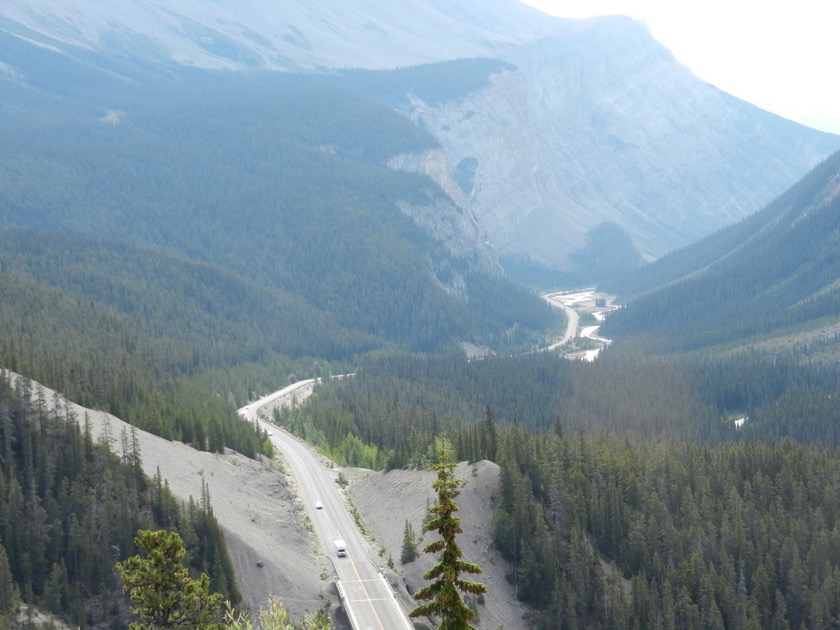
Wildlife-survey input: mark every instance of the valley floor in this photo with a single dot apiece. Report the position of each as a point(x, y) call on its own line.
point(579, 303)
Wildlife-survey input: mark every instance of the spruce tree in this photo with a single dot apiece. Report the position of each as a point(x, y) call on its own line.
point(8, 590)
point(444, 593)
point(409, 546)
point(164, 594)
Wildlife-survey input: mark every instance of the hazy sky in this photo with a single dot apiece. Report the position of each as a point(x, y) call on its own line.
point(781, 55)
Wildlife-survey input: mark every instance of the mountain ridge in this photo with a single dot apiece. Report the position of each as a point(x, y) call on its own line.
point(768, 282)
point(307, 35)
point(582, 128)
point(623, 135)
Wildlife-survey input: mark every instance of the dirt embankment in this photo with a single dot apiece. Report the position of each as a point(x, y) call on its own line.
point(271, 544)
point(387, 501)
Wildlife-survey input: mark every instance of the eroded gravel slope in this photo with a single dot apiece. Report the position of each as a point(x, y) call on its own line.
point(274, 552)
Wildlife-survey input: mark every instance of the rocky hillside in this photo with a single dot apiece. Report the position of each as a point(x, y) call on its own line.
point(270, 539)
point(590, 138)
point(300, 35)
point(601, 124)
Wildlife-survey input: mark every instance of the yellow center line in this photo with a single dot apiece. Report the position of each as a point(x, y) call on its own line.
point(367, 595)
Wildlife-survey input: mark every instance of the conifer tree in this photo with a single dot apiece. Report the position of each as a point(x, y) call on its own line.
point(445, 591)
point(409, 546)
point(490, 436)
point(164, 594)
point(8, 590)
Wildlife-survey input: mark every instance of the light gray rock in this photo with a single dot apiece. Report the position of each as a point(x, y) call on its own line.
point(600, 124)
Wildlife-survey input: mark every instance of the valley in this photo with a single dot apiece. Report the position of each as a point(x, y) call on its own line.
point(367, 596)
point(586, 303)
point(278, 546)
point(210, 218)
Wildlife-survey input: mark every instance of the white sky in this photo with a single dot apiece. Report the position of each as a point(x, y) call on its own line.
point(782, 55)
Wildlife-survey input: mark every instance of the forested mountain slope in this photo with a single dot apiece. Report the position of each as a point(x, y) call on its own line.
point(174, 241)
point(179, 302)
point(588, 135)
point(284, 188)
point(105, 360)
point(627, 495)
point(770, 281)
point(72, 507)
point(224, 240)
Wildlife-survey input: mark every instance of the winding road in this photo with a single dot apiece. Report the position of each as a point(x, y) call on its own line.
point(572, 318)
point(368, 599)
point(584, 299)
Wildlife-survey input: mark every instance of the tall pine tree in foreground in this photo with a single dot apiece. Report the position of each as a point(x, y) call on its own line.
point(444, 593)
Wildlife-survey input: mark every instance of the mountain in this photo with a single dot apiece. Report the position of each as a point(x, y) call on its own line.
point(184, 224)
point(586, 149)
point(601, 125)
point(289, 36)
point(768, 282)
point(279, 188)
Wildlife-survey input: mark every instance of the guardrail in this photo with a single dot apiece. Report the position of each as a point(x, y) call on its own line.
point(406, 621)
point(347, 608)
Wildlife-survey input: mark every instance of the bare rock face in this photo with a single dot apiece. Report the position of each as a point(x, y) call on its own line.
point(449, 222)
point(287, 35)
point(600, 125)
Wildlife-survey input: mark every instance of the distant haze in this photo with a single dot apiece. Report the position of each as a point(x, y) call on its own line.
point(581, 146)
point(780, 56)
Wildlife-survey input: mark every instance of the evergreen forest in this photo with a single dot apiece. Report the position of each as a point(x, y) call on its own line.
point(71, 506)
point(205, 246)
point(629, 496)
point(182, 252)
point(767, 283)
point(175, 248)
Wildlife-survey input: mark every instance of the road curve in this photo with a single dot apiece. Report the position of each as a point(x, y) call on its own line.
point(572, 319)
point(572, 302)
point(369, 601)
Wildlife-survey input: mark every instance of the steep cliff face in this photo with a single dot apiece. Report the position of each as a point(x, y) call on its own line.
point(600, 125)
point(452, 224)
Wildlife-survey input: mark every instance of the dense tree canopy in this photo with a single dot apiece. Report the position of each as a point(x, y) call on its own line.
point(617, 532)
point(71, 507)
point(629, 498)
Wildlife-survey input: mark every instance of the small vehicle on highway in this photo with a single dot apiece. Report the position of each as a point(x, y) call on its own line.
point(319, 505)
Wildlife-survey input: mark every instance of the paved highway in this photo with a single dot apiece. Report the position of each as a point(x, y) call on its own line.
point(572, 318)
point(369, 601)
